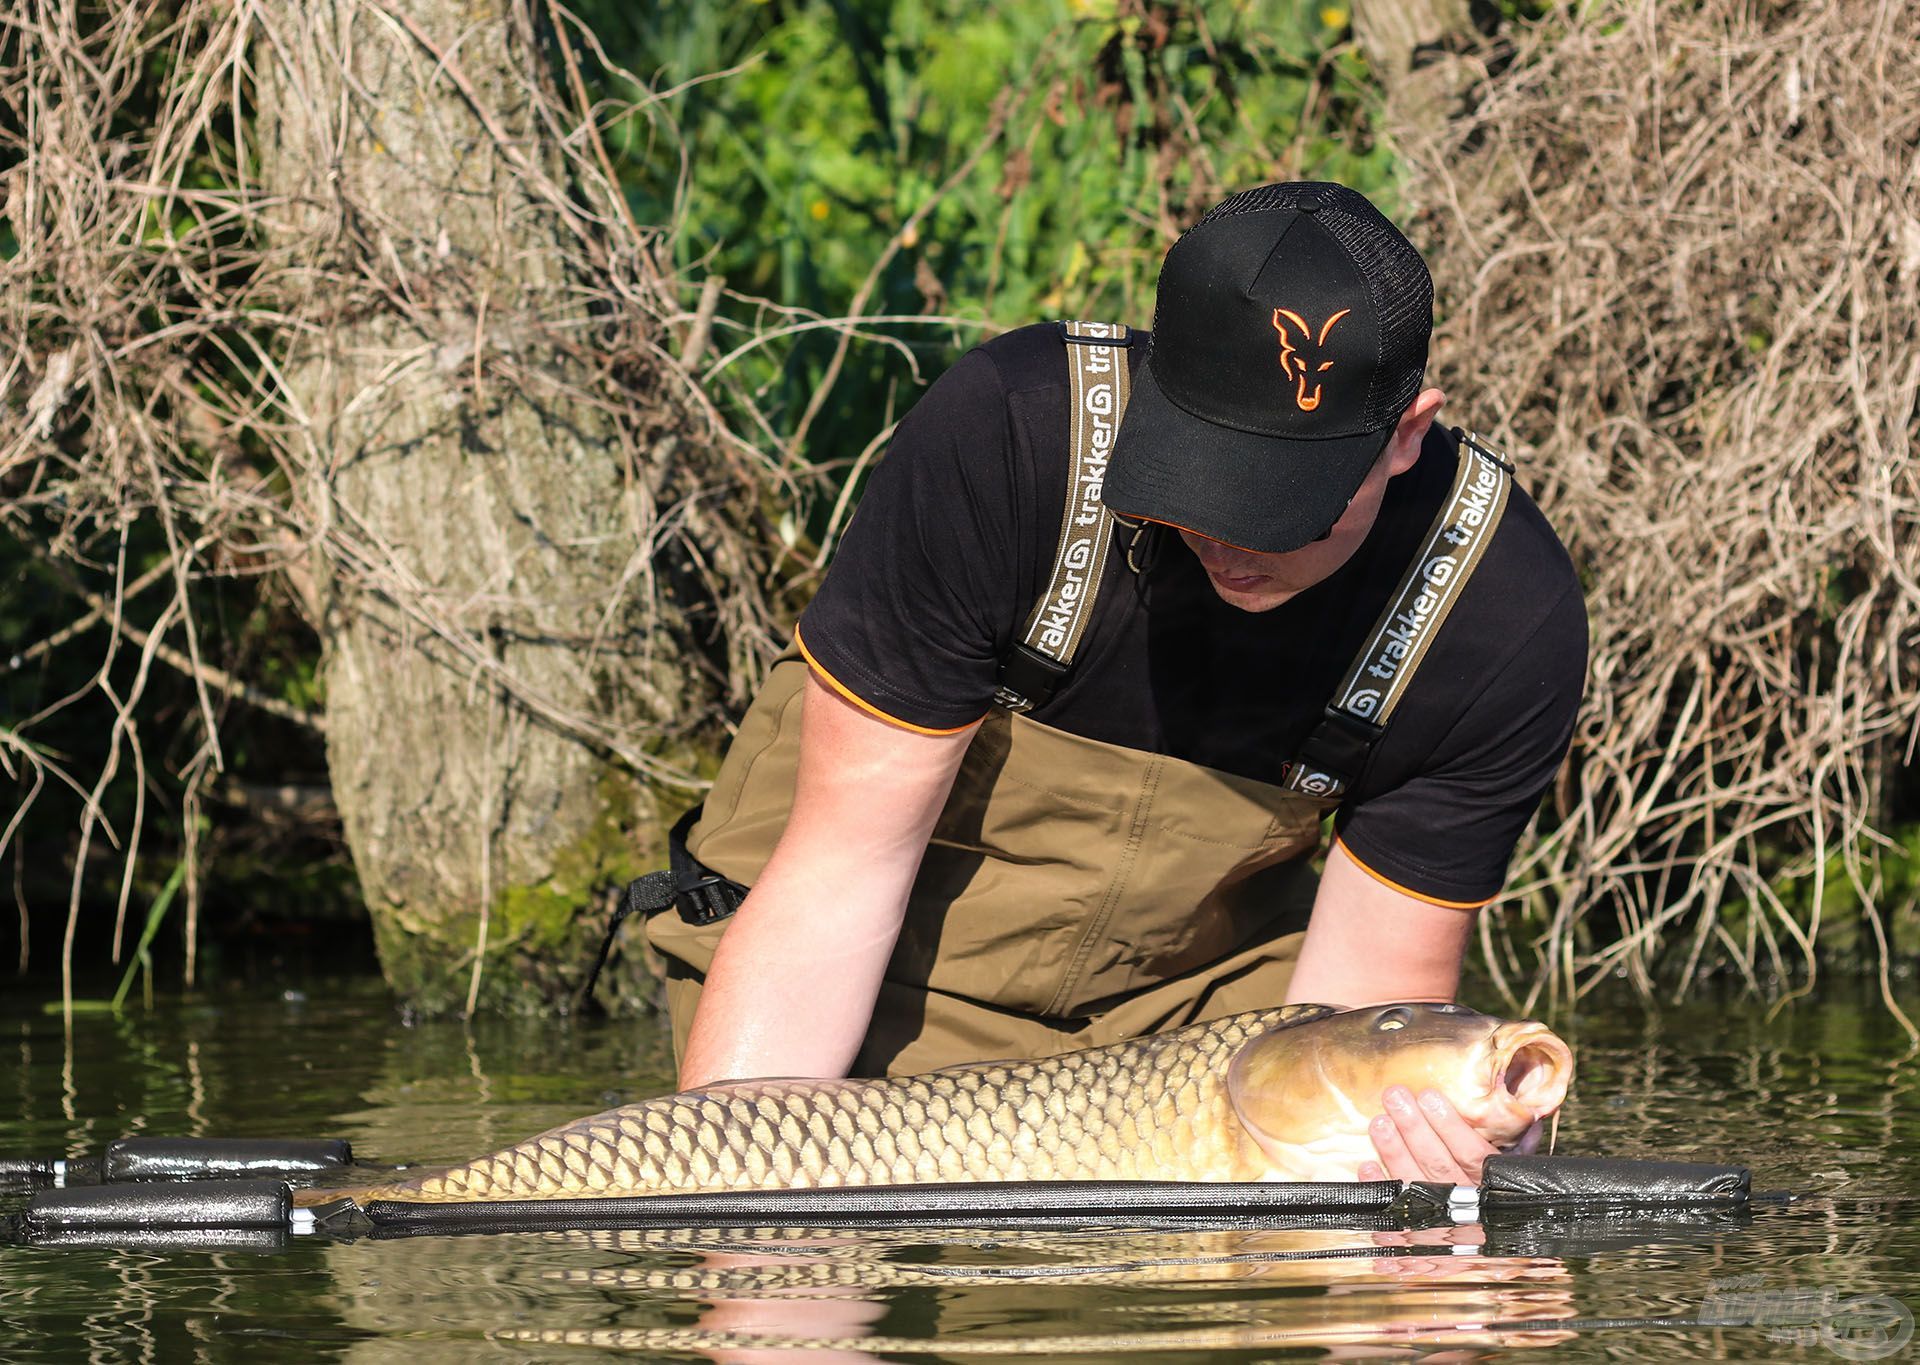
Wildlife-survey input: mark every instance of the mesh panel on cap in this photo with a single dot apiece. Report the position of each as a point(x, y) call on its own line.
point(1402, 299)
point(1264, 198)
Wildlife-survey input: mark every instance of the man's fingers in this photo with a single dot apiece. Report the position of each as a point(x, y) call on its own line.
point(1399, 1159)
point(1467, 1148)
point(1426, 1139)
point(1425, 1142)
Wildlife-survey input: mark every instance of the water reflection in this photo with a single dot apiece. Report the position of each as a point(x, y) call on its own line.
point(960, 1292)
point(1820, 1099)
point(445, 1090)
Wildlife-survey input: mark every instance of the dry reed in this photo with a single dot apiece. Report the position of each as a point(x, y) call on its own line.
point(1678, 249)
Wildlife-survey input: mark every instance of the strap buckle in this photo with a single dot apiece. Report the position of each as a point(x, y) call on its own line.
point(1028, 679)
point(1334, 754)
point(707, 901)
point(1341, 741)
point(1073, 338)
point(699, 894)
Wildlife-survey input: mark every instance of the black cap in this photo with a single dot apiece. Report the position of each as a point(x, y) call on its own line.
point(1289, 334)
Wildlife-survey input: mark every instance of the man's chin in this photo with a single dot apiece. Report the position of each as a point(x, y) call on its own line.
point(1263, 596)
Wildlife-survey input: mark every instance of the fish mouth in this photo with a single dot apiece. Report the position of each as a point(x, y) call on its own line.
point(1532, 1068)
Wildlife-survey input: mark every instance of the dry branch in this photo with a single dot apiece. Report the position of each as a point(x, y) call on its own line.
point(1679, 248)
point(209, 345)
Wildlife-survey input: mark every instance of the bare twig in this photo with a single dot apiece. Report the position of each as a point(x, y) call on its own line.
point(1718, 414)
point(183, 308)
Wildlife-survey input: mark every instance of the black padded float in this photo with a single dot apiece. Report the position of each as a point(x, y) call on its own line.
point(163, 1158)
point(163, 1184)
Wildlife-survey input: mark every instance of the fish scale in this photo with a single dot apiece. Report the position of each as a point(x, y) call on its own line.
point(1154, 1108)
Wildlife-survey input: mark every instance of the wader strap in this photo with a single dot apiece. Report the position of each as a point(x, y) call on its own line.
point(1034, 668)
point(702, 895)
point(1335, 753)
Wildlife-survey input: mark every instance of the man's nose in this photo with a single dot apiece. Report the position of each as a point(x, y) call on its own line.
point(1214, 555)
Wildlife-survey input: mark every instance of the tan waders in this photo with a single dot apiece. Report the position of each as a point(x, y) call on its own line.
point(1074, 892)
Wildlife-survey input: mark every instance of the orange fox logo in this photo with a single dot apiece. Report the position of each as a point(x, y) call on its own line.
point(1296, 337)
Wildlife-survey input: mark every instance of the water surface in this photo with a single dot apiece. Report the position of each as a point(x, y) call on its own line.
point(1819, 1100)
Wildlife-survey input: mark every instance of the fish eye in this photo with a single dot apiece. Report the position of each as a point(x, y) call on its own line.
point(1393, 1017)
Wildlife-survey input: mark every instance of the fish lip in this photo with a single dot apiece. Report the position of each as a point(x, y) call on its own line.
point(1530, 1068)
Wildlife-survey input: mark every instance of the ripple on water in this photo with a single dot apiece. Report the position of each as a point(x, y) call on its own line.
point(1818, 1100)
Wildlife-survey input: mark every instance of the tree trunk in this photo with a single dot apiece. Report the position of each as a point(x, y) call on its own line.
point(495, 655)
point(1412, 46)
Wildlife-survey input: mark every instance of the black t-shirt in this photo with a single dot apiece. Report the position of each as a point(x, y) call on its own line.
point(951, 547)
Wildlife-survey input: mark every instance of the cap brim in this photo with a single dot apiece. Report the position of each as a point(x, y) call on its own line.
point(1263, 493)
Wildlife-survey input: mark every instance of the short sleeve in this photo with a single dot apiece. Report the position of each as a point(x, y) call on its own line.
point(1446, 832)
point(919, 602)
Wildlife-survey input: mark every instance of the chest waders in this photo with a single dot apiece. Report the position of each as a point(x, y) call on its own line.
point(1076, 893)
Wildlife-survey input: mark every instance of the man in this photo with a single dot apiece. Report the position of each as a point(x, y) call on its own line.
point(1042, 775)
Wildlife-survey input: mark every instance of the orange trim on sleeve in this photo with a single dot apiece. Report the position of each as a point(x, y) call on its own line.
point(1391, 884)
point(862, 702)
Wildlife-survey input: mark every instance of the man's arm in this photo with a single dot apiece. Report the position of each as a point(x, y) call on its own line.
point(795, 976)
point(1368, 943)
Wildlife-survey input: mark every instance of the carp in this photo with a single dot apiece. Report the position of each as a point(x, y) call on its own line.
point(1275, 1094)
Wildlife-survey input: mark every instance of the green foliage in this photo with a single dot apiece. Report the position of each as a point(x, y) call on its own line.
point(1102, 128)
point(1890, 870)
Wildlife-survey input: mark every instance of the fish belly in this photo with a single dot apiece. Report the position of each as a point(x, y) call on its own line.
point(1153, 1108)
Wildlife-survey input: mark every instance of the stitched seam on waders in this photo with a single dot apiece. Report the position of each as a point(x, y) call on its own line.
point(1097, 926)
point(1270, 837)
point(1099, 808)
point(1274, 828)
point(1273, 823)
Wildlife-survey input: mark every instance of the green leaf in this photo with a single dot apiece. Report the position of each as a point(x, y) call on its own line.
point(155, 913)
point(80, 1007)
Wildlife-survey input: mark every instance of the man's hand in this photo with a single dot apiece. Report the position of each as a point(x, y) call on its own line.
point(1423, 1138)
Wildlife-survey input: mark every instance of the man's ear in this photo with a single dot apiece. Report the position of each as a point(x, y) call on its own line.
point(1404, 451)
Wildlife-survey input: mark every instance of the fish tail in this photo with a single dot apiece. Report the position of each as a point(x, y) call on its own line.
point(423, 1190)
